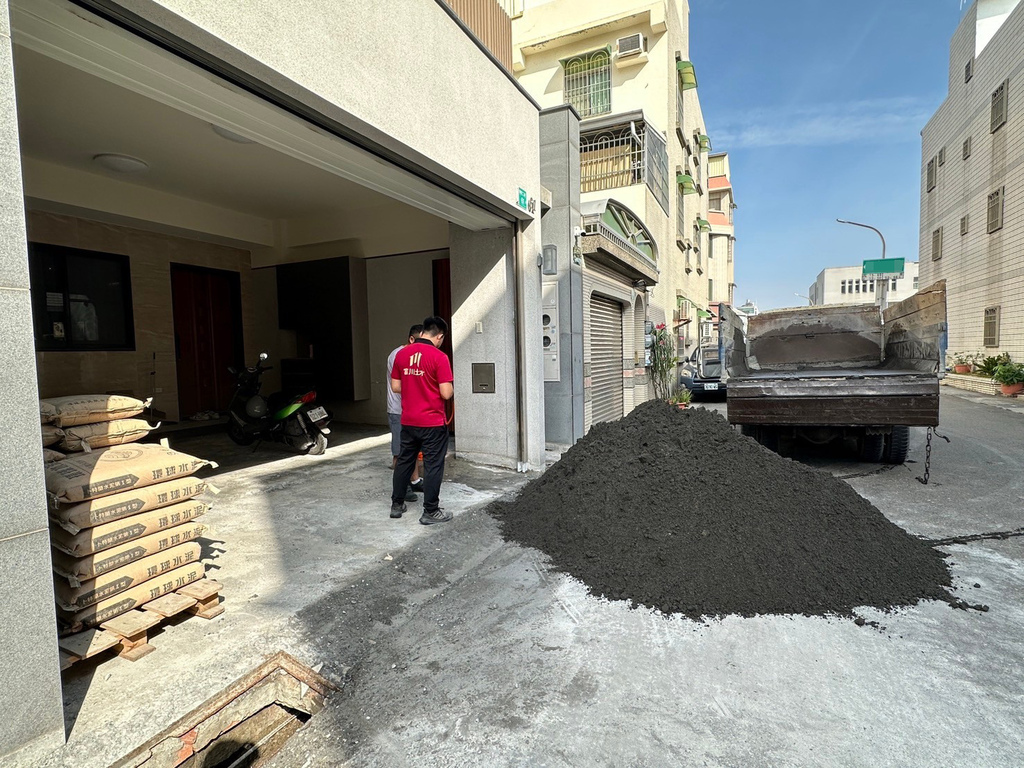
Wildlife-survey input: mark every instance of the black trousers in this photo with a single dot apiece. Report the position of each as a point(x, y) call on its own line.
point(433, 442)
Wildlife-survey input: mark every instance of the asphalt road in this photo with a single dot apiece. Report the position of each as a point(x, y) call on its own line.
point(469, 652)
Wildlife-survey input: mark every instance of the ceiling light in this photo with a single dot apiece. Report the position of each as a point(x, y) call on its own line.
point(224, 133)
point(121, 163)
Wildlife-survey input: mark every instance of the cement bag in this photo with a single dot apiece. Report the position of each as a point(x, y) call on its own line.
point(89, 409)
point(51, 435)
point(49, 455)
point(47, 412)
point(92, 540)
point(80, 569)
point(83, 437)
point(109, 470)
point(118, 580)
point(88, 514)
point(133, 597)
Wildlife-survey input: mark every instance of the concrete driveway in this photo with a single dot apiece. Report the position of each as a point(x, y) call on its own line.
point(491, 660)
point(455, 648)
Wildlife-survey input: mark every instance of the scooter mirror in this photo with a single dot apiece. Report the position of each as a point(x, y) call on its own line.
point(232, 371)
point(263, 356)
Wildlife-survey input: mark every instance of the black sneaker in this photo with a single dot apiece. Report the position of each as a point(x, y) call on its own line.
point(417, 486)
point(410, 494)
point(435, 516)
point(397, 509)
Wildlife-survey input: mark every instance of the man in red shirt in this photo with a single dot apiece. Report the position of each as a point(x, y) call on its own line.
point(422, 375)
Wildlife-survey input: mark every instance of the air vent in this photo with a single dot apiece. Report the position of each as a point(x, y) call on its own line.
point(632, 45)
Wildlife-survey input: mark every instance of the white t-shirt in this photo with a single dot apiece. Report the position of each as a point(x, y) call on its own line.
point(394, 399)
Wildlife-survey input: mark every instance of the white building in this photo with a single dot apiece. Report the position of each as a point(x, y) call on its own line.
point(972, 183)
point(848, 285)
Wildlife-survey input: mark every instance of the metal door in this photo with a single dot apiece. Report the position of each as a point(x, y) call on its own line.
point(605, 359)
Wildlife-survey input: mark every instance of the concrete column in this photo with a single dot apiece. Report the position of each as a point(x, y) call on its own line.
point(560, 174)
point(30, 707)
point(483, 331)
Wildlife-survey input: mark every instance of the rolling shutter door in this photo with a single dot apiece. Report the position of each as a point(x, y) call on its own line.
point(605, 359)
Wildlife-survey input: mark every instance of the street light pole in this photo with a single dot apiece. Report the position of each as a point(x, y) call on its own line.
point(883, 292)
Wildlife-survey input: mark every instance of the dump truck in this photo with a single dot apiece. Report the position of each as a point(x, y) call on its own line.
point(838, 372)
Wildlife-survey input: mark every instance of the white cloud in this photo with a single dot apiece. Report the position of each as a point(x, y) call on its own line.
point(825, 124)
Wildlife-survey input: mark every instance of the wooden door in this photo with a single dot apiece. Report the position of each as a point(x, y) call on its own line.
point(208, 336)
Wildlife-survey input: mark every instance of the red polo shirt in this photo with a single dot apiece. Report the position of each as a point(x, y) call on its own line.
point(422, 367)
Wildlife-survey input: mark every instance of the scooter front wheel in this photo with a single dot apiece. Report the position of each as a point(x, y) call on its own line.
point(239, 435)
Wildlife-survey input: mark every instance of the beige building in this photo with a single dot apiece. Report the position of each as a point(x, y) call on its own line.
point(645, 177)
point(847, 285)
point(972, 183)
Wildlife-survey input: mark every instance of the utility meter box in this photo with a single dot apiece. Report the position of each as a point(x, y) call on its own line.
point(549, 328)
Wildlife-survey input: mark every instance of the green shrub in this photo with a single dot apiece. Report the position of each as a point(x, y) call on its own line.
point(1009, 373)
point(988, 365)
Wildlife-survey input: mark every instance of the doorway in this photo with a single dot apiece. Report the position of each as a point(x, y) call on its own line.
point(207, 336)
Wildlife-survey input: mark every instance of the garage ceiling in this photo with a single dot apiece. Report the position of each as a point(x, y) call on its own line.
point(67, 116)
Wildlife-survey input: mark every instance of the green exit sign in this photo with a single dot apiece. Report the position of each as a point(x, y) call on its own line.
point(522, 198)
point(889, 267)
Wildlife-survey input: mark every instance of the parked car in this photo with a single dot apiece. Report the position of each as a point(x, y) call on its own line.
point(701, 372)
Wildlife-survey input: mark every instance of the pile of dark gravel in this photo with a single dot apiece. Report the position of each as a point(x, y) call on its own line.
point(672, 509)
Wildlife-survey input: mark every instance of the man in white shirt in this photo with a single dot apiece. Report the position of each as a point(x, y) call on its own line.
point(395, 417)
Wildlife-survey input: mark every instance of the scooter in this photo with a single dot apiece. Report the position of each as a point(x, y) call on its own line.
point(295, 421)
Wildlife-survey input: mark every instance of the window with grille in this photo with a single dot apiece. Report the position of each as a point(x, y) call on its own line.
point(999, 106)
point(842, 286)
point(657, 166)
point(963, 224)
point(995, 210)
point(967, 147)
point(937, 244)
point(991, 327)
point(588, 82)
point(893, 286)
point(968, 70)
point(930, 177)
point(942, 157)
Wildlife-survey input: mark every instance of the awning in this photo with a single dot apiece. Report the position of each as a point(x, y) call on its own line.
point(704, 224)
point(687, 75)
point(685, 181)
point(705, 142)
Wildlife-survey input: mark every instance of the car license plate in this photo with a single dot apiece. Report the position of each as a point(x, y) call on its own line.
point(317, 414)
point(711, 387)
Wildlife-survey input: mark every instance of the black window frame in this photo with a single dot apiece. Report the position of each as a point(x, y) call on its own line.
point(39, 296)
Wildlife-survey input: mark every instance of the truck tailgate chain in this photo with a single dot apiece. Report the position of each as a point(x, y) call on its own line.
point(928, 454)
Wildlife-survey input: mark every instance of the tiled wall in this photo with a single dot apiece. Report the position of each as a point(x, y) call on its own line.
point(151, 366)
point(981, 269)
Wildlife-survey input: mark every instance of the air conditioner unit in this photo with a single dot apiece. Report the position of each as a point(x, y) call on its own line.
point(632, 45)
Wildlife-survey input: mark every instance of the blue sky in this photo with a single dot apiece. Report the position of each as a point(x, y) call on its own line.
point(820, 105)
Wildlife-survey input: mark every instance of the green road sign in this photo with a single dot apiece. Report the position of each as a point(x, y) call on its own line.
point(883, 267)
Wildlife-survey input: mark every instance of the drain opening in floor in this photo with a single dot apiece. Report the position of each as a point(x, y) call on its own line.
point(244, 725)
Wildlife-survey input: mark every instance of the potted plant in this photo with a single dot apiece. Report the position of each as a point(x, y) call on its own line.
point(987, 365)
point(962, 361)
point(681, 398)
point(1011, 378)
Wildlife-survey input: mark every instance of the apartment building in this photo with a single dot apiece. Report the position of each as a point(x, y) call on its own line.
point(848, 285)
point(645, 178)
point(972, 183)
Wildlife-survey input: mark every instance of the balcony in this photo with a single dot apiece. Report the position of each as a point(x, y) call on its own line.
point(623, 155)
point(615, 237)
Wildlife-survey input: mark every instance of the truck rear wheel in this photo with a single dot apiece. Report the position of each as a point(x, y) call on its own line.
point(897, 445)
point(872, 447)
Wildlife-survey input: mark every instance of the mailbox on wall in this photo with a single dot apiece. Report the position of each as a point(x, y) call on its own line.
point(549, 328)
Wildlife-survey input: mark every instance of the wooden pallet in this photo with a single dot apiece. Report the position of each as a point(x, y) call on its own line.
point(130, 630)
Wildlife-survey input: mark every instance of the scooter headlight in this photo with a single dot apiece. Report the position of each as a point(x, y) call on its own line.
point(256, 407)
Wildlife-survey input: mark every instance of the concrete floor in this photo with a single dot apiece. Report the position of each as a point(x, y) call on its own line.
point(455, 648)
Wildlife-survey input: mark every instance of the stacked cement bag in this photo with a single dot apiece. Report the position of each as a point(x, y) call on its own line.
point(123, 529)
point(85, 422)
